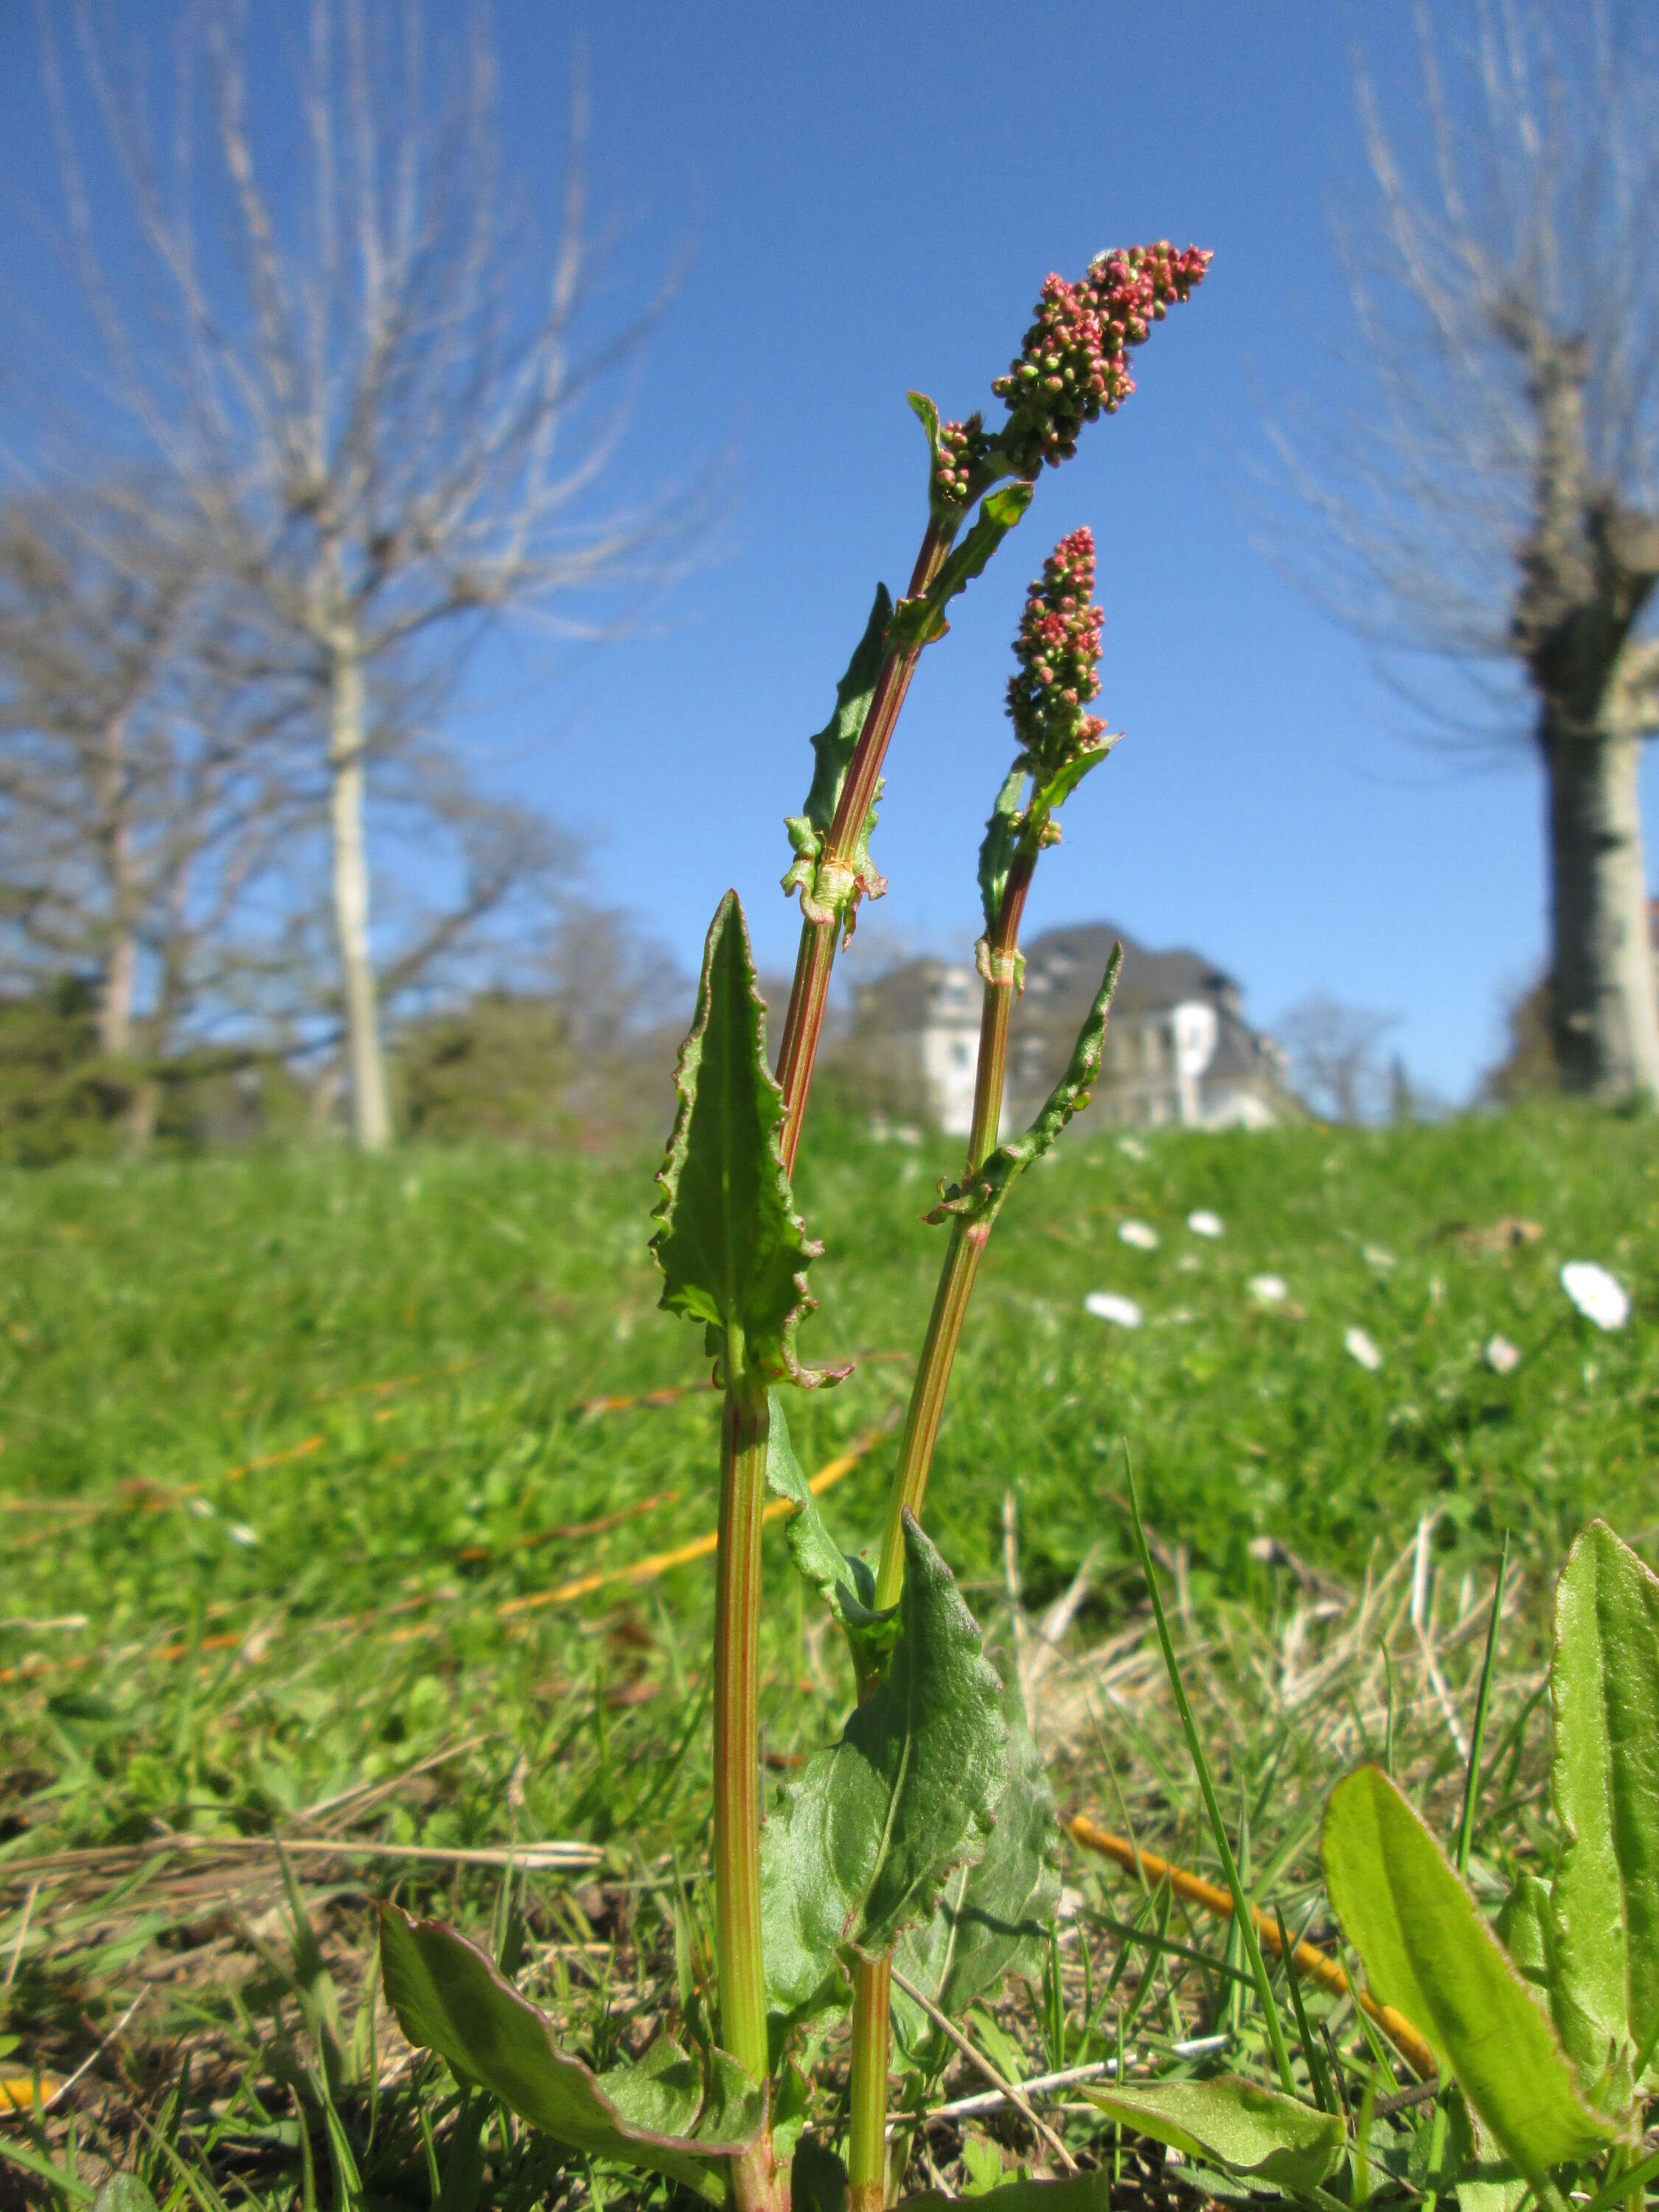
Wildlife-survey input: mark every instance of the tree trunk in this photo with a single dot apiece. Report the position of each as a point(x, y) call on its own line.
point(120, 971)
point(371, 1119)
point(1604, 1013)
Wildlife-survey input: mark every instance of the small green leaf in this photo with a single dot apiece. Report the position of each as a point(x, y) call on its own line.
point(1053, 795)
point(123, 2192)
point(927, 415)
point(847, 1585)
point(1604, 1688)
point(920, 621)
point(448, 1997)
point(1235, 2125)
point(1000, 843)
point(1526, 1930)
point(835, 743)
point(732, 1249)
point(993, 1918)
point(1428, 1953)
point(980, 1197)
point(857, 1848)
point(1078, 2192)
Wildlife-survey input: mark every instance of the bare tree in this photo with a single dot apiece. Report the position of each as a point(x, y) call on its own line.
point(1336, 1064)
point(1493, 496)
point(359, 377)
point(137, 799)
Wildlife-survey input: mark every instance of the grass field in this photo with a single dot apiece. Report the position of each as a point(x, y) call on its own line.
point(299, 1453)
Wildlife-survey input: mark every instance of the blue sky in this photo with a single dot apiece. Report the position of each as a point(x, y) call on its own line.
point(874, 197)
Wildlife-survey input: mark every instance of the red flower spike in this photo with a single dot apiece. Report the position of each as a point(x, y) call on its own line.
point(1058, 649)
point(1072, 366)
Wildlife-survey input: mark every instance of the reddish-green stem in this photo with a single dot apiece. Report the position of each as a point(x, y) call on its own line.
point(872, 1984)
point(743, 1430)
point(803, 1023)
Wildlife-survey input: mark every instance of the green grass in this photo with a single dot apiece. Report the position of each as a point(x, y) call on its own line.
point(279, 1430)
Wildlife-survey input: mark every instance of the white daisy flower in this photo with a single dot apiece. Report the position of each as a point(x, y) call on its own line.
point(1268, 1289)
point(1377, 1256)
point(1140, 1234)
point(1596, 1293)
point(1501, 1356)
point(1362, 1349)
point(1203, 1222)
point(1190, 1263)
point(239, 1532)
point(1132, 1148)
point(1106, 1305)
point(201, 1508)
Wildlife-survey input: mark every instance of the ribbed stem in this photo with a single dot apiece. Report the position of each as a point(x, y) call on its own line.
point(803, 1023)
point(927, 1407)
point(867, 2147)
point(744, 1429)
point(968, 1240)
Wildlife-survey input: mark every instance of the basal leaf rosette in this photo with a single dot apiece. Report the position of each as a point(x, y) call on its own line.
point(732, 1249)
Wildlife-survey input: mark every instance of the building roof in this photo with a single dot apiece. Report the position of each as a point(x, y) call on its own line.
point(1063, 969)
point(906, 997)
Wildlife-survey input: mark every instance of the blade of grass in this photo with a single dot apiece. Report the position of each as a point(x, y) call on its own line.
point(1242, 1910)
point(1478, 1732)
point(1313, 2057)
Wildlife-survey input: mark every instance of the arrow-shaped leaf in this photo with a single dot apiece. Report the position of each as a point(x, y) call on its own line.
point(858, 1848)
point(732, 1249)
point(1234, 2125)
point(1604, 1688)
point(660, 2114)
point(981, 1195)
point(993, 1918)
point(847, 1585)
point(1427, 1951)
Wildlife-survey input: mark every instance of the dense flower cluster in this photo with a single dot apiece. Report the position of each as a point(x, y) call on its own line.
point(962, 450)
point(1074, 365)
point(1058, 649)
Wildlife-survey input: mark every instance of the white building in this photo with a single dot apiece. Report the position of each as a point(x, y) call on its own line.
point(1178, 1050)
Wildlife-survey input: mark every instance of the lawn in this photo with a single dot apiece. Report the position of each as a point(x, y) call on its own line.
point(303, 1457)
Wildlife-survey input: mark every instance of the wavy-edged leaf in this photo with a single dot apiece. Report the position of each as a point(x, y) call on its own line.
point(1427, 1951)
point(980, 1197)
point(1604, 1688)
point(919, 621)
point(993, 1918)
point(1077, 2192)
point(732, 1249)
point(660, 2114)
point(834, 745)
point(848, 1586)
point(1235, 2125)
point(859, 1844)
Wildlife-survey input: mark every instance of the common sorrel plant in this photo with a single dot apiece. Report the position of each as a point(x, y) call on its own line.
point(927, 1831)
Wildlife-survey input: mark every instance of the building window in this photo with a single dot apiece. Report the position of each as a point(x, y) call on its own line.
point(961, 1053)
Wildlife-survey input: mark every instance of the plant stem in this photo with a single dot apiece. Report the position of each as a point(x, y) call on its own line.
point(744, 1427)
point(968, 1240)
point(872, 1984)
point(803, 1023)
point(867, 2148)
